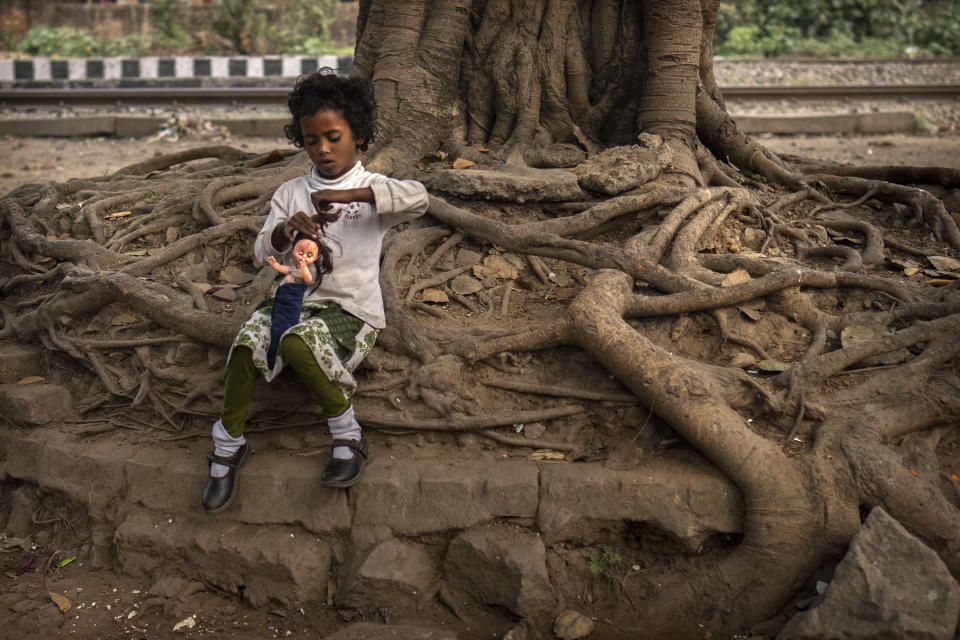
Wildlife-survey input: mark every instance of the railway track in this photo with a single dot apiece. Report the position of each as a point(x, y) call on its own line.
point(164, 96)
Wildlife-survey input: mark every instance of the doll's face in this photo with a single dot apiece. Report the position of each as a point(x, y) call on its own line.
point(305, 250)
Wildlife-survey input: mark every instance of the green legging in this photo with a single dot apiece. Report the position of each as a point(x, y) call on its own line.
point(242, 377)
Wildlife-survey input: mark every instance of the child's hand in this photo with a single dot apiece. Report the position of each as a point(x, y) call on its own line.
point(299, 222)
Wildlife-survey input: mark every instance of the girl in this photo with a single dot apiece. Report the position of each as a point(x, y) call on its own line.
point(333, 119)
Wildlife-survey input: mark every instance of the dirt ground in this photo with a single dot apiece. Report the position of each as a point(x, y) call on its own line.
point(44, 159)
point(74, 600)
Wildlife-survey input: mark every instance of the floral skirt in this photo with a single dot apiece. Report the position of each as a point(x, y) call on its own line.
point(338, 340)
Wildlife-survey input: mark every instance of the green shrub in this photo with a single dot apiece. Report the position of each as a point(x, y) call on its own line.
point(132, 46)
point(166, 18)
point(304, 28)
point(246, 28)
point(64, 42)
point(848, 28)
point(742, 41)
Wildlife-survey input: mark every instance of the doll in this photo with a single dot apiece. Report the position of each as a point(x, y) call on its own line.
point(288, 298)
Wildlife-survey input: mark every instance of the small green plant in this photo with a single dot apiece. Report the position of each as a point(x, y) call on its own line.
point(600, 560)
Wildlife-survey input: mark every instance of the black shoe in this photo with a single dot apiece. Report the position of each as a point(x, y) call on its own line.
point(340, 474)
point(219, 492)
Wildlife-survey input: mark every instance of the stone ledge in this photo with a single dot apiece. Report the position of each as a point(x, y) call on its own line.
point(37, 403)
point(19, 361)
point(580, 506)
point(286, 537)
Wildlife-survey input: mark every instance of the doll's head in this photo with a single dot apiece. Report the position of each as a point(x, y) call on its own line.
point(307, 250)
point(315, 251)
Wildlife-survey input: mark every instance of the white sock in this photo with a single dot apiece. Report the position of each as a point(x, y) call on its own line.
point(224, 445)
point(344, 427)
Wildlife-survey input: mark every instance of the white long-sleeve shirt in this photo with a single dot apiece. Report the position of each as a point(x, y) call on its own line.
point(354, 239)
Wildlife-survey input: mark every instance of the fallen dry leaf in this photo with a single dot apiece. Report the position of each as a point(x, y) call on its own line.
point(545, 455)
point(203, 286)
point(462, 163)
point(572, 625)
point(944, 263)
point(434, 295)
point(61, 601)
point(773, 365)
point(735, 277)
point(236, 275)
point(124, 318)
point(465, 285)
point(499, 267)
point(119, 214)
point(752, 309)
point(186, 624)
point(30, 379)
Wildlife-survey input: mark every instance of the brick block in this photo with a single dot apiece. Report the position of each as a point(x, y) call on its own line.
point(37, 403)
point(19, 361)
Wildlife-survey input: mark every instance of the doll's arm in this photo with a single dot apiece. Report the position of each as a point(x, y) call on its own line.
point(279, 268)
point(304, 268)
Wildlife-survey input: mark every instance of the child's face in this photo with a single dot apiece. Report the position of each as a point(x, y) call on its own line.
point(305, 250)
point(329, 142)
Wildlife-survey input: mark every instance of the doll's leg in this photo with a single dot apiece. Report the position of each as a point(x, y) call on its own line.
point(230, 446)
point(348, 457)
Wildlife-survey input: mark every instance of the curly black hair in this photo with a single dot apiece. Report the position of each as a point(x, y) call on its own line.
point(324, 90)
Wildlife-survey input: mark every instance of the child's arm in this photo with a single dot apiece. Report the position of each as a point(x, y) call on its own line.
point(325, 197)
point(385, 194)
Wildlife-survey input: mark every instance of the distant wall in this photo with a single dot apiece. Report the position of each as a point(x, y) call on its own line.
point(112, 21)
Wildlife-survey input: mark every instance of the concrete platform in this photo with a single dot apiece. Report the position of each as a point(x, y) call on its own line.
point(841, 123)
point(129, 126)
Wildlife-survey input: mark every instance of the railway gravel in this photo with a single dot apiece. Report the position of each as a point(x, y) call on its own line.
point(793, 73)
point(941, 116)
